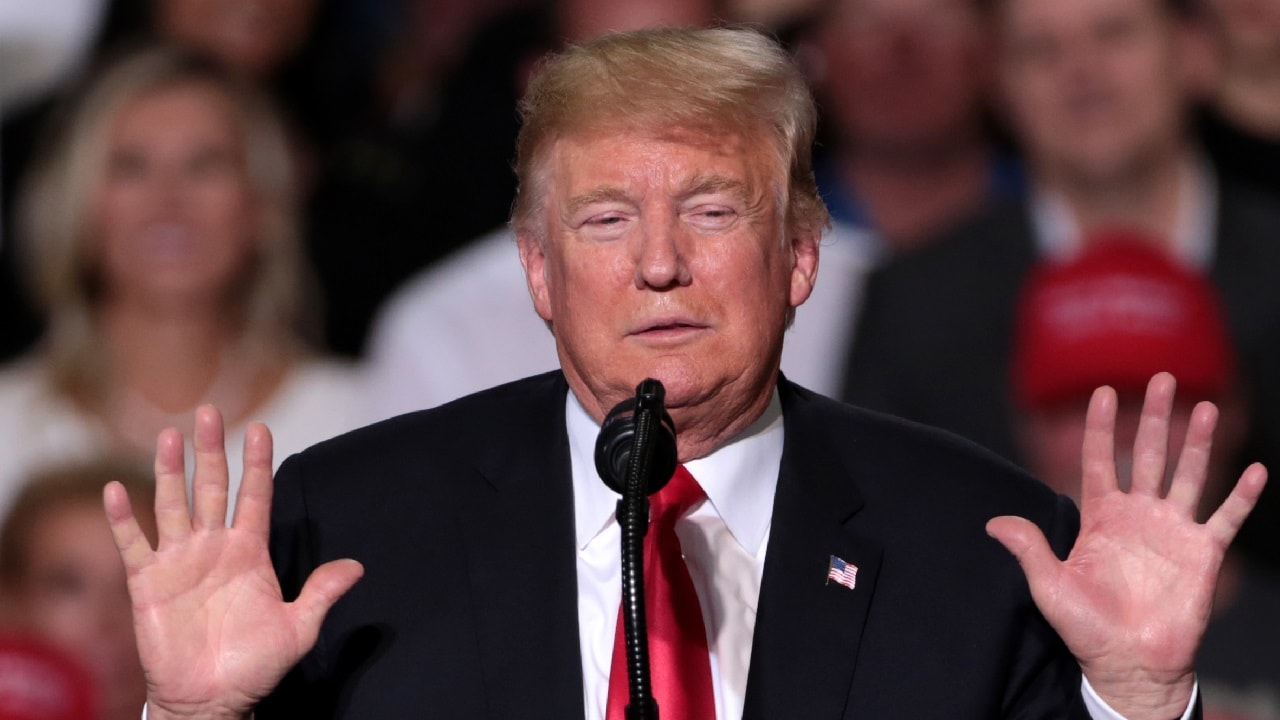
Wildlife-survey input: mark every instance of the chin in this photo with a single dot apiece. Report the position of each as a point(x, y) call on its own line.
point(682, 385)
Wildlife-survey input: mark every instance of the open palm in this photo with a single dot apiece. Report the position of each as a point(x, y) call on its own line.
point(214, 633)
point(1132, 599)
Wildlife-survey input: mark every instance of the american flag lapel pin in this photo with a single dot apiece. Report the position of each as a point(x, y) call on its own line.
point(844, 573)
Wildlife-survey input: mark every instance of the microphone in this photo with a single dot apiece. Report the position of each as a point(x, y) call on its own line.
point(636, 457)
point(638, 422)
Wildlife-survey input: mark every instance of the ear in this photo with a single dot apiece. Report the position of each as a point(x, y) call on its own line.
point(534, 259)
point(804, 265)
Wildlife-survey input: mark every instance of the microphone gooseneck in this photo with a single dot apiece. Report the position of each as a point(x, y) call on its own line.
point(629, 425)
point(636, 456)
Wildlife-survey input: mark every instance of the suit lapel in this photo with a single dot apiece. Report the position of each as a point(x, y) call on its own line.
point(808, 630)
point(519, 533)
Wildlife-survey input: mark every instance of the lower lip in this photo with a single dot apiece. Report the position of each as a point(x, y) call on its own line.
point(676, 333)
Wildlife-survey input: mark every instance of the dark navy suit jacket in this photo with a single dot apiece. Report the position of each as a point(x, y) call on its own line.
point(463, 518)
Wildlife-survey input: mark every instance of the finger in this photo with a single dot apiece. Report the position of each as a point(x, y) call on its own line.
point(1151, 445)
point(209, 484)
point(1098, 454)
point(173, 516)
point(1025, 541)
point(135, 549)
point(1193, 463)
point(327, 583)
point(1226, 521)
point(253, 502)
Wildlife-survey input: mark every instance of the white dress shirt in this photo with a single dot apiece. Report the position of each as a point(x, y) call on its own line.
point(1191, 240)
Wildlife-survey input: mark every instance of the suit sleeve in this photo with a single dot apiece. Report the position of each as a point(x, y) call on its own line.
point(302, 693)
point(1046, 675)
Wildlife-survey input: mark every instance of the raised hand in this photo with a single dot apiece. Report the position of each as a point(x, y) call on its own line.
point(214, 633)
point(1133, 598)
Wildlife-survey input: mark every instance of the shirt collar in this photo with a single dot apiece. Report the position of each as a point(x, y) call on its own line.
point(1058, 232)
point(739, 478)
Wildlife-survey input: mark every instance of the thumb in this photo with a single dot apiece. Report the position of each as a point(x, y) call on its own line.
point(327, 583)
point(1027, 543)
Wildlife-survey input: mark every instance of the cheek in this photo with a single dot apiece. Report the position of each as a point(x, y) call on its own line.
point(595, 277)
point(1031, 101)
point(229, 211)
point(62, 612)
point(117, 213)
point(231, 226)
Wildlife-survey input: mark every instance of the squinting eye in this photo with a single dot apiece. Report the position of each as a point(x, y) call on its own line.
point(605, 225)
point(210, 163)
point(711, 218)
point(61, 582)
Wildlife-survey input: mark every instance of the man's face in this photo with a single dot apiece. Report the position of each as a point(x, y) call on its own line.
point(1093, 86)
point(1052, 439)
point(903, 75)
point(664, 256)
point(1250, 28)
point(253, 37)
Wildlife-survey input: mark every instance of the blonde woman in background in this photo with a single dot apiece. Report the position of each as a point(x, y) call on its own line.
point(161, 230)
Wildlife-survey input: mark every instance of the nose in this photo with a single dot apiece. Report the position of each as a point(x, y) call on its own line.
point(168, 186)
point(661, 261)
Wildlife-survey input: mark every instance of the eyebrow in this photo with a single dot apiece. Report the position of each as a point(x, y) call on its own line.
point(608, 193)
point(700, 185)
point(716, 183)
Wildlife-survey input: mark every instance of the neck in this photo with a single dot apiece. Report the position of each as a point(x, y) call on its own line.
point(169, 360)
point(1249, 96)
point(1145, 197)
point(912, 196)
point(702, 425)
point(702, 429)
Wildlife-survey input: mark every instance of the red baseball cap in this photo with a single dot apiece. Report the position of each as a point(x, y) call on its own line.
point(1116, 314)
point(37, 682)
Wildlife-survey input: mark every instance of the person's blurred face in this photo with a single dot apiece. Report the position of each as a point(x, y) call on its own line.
point(253, 37)
point(1095, 88)
point(582, 20)
point(1250, 28)
point(903, 74)
point(1054, 437)
point(74, 594)
point(665, 256)
point(175, 221)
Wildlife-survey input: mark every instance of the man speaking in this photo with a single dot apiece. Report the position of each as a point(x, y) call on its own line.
point(836, 563)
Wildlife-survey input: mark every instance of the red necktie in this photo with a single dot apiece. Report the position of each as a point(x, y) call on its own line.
point(678, 660)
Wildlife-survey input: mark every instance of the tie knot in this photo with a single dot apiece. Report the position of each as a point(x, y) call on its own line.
point(674, 500)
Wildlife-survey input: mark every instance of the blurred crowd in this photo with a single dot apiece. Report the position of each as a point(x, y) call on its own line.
point(296, 210)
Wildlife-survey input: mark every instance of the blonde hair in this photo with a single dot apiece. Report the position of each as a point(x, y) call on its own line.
point(65, 486)
point(713, 80)
point(56, 206)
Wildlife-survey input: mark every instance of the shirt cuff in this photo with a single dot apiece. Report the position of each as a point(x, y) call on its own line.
point(144, 712)
point(1100, 710)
